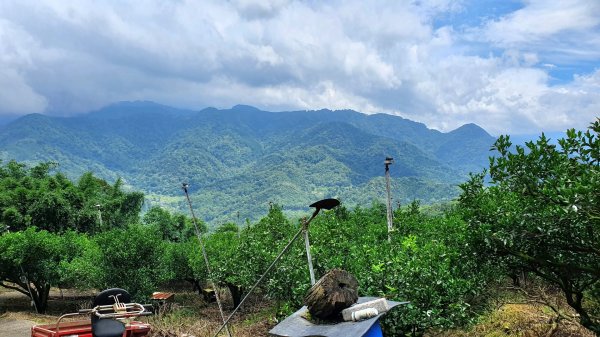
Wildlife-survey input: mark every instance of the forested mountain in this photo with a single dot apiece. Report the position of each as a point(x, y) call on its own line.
point(238, 160)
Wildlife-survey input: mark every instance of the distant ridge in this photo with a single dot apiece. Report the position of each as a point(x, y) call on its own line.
point(240, 159)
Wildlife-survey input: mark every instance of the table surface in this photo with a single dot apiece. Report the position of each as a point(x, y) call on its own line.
point(297, 326)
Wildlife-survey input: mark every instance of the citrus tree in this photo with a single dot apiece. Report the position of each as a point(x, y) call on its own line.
point(30, 263)
point(130, 259)
point(541, 213)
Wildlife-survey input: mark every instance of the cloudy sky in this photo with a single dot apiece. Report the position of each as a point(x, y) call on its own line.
point(509, 66)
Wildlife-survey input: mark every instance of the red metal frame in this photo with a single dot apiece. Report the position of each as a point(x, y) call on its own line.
point(84, 329)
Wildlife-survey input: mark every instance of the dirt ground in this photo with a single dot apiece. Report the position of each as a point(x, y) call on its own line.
point(12, 327)
point(17, 315)
point(12, 324)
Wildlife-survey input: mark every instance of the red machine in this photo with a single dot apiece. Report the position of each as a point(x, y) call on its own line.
point(111, 308)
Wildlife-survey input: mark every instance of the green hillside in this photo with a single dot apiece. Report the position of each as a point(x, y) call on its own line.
point(238, 160)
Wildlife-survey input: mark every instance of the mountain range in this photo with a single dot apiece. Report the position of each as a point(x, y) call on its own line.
point(238, 160)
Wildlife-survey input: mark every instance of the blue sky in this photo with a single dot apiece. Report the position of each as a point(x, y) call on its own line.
point(517, 67)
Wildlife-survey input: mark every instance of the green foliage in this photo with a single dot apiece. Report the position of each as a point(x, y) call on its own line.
point(541, 213)
point(31, 260)
point(36, 197)
point(84, 270)
point(130, 259)
point(426, 263)
point(171, 227)
point(239, 259)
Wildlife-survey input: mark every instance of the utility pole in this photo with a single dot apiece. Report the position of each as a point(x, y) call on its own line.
point(388, 161)
point(239, 226)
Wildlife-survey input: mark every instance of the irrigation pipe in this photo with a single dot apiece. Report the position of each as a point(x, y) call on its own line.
point(199, 235)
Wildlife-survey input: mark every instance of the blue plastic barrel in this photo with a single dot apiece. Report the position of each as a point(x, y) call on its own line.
point(374, 331)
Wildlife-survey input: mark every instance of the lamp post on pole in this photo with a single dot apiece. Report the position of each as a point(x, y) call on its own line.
point(388, 161)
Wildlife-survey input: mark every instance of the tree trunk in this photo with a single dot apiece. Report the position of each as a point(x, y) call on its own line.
point(334, 292)
point(574, 300)
point(236, 294)
point(40, 294)
point(195, 285)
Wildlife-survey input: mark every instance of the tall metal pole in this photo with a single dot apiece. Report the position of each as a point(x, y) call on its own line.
point(311, 270)
point(210, 275)
point(388, 161)
point(98, 206)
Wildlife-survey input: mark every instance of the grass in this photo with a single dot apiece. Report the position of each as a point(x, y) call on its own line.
point(516, 313)
point(533, 310)
point(192, 316)
point(520, 320)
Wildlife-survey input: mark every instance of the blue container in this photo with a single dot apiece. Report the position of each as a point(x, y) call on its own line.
point(374, 331)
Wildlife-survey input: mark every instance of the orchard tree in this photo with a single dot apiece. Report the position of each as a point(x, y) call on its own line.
point(130, 259)
point(541, 213)
point(171, 227)
point(426, 263)
point(30, 263)
point(178, 261)
point(223, 255)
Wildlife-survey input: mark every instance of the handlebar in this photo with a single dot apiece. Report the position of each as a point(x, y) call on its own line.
point(122, 310)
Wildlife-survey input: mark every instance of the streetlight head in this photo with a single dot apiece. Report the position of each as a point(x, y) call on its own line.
point(388, 160)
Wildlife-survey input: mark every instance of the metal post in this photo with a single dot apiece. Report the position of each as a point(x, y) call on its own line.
point(388, 161)
point(99, 216)
point(308, 257)
point(239, 226)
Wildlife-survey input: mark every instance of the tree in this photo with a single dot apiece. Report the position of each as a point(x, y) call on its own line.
point(130, 259)
point(172, 227)
point(30, 260)
point(178, 260)
point(223, 256)
point(541, 213)
point(427, 263)
point(36, 197)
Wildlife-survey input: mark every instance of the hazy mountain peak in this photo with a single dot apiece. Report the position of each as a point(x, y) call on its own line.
point(244, 108)
point(134, 104)
point(470, 129)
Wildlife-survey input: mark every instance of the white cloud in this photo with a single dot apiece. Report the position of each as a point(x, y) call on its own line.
point(566, 31)
point(385, 56)
point(541, 19)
